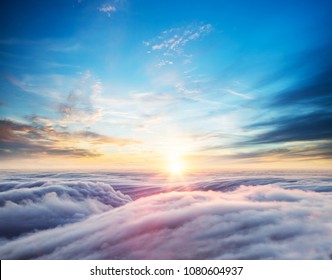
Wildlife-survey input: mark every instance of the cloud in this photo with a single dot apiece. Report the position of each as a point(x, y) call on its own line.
point(75, 98)
point(96, 138)
point(80, 104)
point(299, 136)
point(165, 62)
point(41, 137)
point(299, 114)
point(136, 109)
point(47, 86)
point(108, 9)
point(18, 139)
point(306, 127)
point(315, 150)
point(218, 211)
point(263, 222)
point(30, 207)
point(170, 43)
point(233, 92)
point(314, 87)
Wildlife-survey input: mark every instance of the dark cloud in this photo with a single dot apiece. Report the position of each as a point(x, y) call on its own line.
point(302, 111)
point(311, 151)
point(315, 86)
point(311, 69)
point(40, 137)
point(309, 127)
point(17, 139)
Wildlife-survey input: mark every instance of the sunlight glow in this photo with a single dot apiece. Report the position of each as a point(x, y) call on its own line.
point(175, 151)
point(176, 165)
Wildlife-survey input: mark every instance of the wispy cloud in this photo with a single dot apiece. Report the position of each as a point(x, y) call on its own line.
point(173, 40)
point(80, 103)
point(48, 86)
point(171, 43)
point(313, 90)
point(233, 92)
point(108, 9)
point(73, 98)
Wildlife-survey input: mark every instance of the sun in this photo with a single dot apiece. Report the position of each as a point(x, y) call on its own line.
point(175, 152)
point(175, 165)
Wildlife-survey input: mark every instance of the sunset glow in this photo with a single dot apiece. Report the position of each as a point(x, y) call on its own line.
point(108, 85)
point(175, 165)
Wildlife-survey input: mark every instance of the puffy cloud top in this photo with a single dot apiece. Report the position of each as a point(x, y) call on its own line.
point(262, 222)
point(37, 205)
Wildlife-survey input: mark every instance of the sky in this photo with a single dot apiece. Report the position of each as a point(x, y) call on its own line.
point(145, 85)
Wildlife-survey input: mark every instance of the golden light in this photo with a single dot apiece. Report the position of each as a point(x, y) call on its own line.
point(175, 151)
point(176, 166)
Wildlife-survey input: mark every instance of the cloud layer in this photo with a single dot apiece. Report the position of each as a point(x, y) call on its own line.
point(249, 222)
point(32, 206)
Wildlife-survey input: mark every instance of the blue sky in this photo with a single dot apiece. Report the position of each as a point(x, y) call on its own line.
point(128, 84)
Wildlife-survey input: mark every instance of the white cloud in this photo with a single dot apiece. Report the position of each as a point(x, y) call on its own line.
point(49, 86)
point(233, 92)
point(164, 62)
point(171, 42)
point(261, 222)
point(46, 204)
point(108, 9)
point(181, 88)
point(81, 102)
